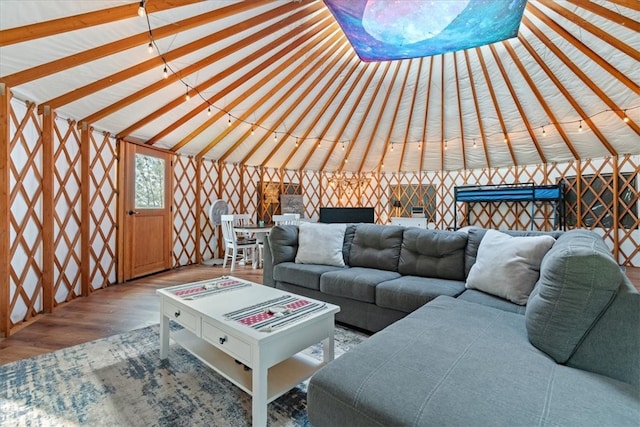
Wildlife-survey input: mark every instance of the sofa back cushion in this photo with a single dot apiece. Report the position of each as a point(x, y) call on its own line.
point(475, 235)
point(578, 280)
point(432, 253)
point(283, 243)
point(376, 246)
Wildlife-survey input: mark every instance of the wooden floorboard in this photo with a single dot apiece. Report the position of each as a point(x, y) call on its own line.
point(117, 309)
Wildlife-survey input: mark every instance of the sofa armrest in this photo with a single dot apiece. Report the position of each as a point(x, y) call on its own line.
point(267, 265)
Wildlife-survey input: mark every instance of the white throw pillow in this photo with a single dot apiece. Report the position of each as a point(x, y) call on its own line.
point(320, 243)
point(508, 266)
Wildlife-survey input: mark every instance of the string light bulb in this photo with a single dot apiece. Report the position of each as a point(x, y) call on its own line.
point(580, 127)
point(229, 120)
point(275, 136)
point(187, 96)
point(474, 143)
point(252, 131)
point(445, 144)
point(544, 133)
point(165, 72)
point(625, 118)
point(150, 47)
point(297, 142)
point(141, 9)
point(505, 138)
point(343, 146)
point(391, 146)
point(419, 145)
point(209, 111)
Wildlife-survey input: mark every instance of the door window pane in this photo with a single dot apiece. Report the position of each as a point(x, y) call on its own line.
point(149, 182)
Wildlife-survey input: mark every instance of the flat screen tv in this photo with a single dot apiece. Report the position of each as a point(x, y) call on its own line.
point(346, 215)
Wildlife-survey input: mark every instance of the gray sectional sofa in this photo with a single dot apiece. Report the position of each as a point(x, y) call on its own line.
point(448, 355)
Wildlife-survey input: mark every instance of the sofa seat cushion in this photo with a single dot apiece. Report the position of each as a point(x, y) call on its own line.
point(356, 283)
point(305, 275)
point(432, 253)
point(479, 297)
point(408, 293)
point(452, 362)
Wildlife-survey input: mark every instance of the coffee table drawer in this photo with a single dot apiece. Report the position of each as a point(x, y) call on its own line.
point(184, 317)
point(226, 342)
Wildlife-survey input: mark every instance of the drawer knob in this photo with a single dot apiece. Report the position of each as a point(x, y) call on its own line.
point(222, 339)
point(177, 313)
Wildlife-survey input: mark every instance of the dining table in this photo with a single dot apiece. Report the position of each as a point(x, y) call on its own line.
point(260, 231)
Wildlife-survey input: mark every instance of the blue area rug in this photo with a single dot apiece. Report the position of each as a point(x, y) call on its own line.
point(121, 381)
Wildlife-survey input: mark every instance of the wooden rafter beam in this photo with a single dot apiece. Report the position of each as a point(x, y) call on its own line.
point(610, 14)
point(340, 85)
point(426, 114)
point(85, 20)
point(516, 100)
point(393, 123)
point(347, 120)
point(141, 39)
point(443, 139)
point(326, 67)
point(386, 146)
point(460, 121)
point(539, 96)
point(293, 76)
point(590, 83)
point(191, 69)
point(156, 62)
point(364, 118)
point(411, 110)
point(224, 73)
point(308, 37)
point(593, 29)
point(336, 111)
point(477, 109)
point(622, 77)
point(496, 106)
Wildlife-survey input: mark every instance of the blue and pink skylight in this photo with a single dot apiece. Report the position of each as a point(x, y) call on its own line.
point(383, 30)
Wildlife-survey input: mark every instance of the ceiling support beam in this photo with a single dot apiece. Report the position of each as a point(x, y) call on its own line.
point(492, 92)
point(460, 121)
point(541, 100)
point(472, 84)
point(516, 100)
point(582, 76)
point(356, 136)
point(411, 110)
point(255, 87)
point(324, 69)
point(310, 64)
point(342, 82)
point(426, 115)
point(52, 27)
point(138, 40)
point(582, 48)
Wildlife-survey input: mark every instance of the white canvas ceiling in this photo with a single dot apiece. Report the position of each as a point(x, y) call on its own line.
point(286, 72)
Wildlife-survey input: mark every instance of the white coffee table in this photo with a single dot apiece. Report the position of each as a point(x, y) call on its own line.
point(212, 313)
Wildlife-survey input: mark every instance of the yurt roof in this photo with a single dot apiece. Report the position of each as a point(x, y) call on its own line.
point(285, 89)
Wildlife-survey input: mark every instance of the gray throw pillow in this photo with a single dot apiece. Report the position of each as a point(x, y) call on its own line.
point(508, 266)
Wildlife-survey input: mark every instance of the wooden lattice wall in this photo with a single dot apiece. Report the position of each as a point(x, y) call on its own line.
point(59, 224)
point(61, 227)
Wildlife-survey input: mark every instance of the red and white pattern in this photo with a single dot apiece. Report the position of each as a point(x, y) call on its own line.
point(256, 318)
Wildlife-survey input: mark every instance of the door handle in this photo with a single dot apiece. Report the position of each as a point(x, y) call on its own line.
point(132, 212)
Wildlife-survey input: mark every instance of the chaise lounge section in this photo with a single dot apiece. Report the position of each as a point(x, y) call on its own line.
point(570, 355)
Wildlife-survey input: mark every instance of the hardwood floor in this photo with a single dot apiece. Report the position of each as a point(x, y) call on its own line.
point(118, 309)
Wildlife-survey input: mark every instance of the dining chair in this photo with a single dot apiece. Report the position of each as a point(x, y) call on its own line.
point(286, 219)
point(235, 245)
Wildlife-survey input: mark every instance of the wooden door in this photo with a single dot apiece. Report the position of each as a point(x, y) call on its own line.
point(147, 213)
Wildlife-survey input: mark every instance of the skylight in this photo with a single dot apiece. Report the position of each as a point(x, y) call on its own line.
point(383, 30)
